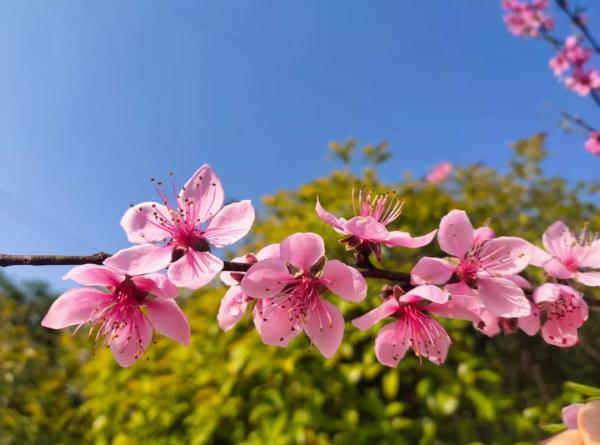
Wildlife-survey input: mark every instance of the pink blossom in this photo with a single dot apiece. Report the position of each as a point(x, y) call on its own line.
point(479, 277)
point(439, 173)
point(526, 19)
point(178, 236)
point(568, 256)
point(563, 310)
point(571, 55)
point(117, 315)
point(592, 144)
point(367, 229)
point(414, 328)
point(569, 415)
point(234, 303)
point(290, 288)
point(583, 81)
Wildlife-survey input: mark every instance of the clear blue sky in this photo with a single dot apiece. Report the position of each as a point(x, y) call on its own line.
point(97, 97)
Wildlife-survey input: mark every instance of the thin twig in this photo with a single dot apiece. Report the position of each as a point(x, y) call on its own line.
point(576, 20)
point(578, 121)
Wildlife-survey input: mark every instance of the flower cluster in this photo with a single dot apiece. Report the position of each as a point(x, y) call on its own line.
point(572, 57)
point(286, 286)
point(527, 19)
point(570, 64)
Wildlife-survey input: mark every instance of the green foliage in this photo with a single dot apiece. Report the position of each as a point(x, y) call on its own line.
point(230, 388)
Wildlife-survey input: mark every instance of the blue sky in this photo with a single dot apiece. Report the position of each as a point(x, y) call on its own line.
point(97, 97)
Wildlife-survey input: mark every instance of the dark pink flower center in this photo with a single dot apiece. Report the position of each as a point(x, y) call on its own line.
point(419, 331)
point(120, 318)
point(383, 208)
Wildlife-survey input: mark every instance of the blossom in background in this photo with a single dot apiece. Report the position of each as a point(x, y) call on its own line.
point(583, 81)
point(367, 229)
point(568, 256)
point(234, 303)
point(571, 55)
point(414, 327)
point(592, 144)
point(481, 267)
point(178, 235)
point(527, 19)
point(439, 173)
point(117, 315)
point(583, 425)
point(559, 310)
point(291, 288)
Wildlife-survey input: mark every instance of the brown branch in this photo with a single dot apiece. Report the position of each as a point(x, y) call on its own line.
point(7, 260)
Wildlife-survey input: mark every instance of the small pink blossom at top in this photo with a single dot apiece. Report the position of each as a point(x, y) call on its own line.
point(178, 235)
point(367, 229)
point(583, 82)
point(592, 145)
point(414, 327)
point(527, 19)
point(291, 288)
point(559, 310)
point(480, 270)
point(568, 256)
point(234, 303)
point(117, 315)
point(439, 173)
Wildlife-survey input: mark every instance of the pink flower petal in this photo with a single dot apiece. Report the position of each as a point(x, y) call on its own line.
point(559, 334)
point(231, 224)
point(366, 228)
point(302, 249)
point(74, 307)
point(325, 328)
point(344, 281)
point(558, 240)
point(269, 251)
point(429, 292)
point(169, 320)
point(266, 278)
point(143, 223)
point(503, 298)
point(455, 235)
point(482, 234)
point(403, 239)
point(569, 415)
point(136, 344)
point(557, 269)
point(519, 281)
point(588, 278)
point(505, 255)
point(232, 308)
point(194, 269)
point(539, 256)
point(138, 260)
point(592, 257)
point(328, 218)
point(156, 284)
point(434, 344)
point(390, 347)
point(546, 293)
point(451, 309)
point(94, 275)
point(431, 271)
point(530, 324)
point(203, 194)
point(464, 296)
point(488, 323)
point(384, 310)
point(274, 324)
